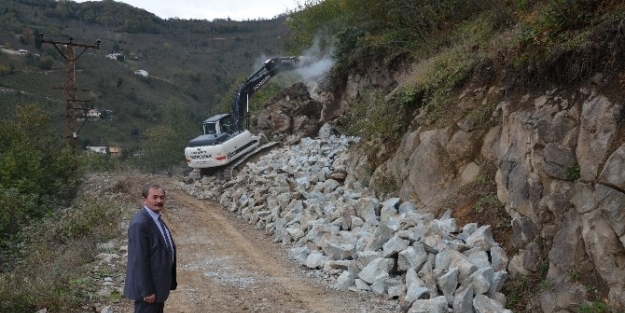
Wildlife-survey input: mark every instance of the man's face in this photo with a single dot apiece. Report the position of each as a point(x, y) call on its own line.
point(155, 200)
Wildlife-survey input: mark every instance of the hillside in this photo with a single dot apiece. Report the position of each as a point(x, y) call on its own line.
point(191, 64)
point(513, 128)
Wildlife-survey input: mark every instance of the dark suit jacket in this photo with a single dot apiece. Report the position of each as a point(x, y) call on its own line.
point(149, 269)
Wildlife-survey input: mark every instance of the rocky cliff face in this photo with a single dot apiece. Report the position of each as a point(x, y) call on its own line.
point(554, 159)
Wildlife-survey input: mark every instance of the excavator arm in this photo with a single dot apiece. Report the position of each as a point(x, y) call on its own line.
point(240, 102)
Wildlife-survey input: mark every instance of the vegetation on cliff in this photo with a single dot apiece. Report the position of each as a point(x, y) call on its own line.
point(536, 42)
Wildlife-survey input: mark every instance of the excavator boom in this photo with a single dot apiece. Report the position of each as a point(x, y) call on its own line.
point(242, 93)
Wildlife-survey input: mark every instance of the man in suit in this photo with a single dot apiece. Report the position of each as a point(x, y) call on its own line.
point(151, 270)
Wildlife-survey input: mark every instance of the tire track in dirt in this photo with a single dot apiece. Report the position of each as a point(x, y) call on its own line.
point(218, 255)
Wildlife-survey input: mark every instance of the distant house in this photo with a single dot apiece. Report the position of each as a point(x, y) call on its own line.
point(116, 56)
point(96, 149)
point(23, 52)
point(93, 113)
point(115, 151)
point(143, 73)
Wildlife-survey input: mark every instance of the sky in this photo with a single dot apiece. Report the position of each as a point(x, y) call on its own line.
point(211, 9)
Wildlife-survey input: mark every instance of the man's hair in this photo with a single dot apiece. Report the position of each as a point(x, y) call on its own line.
point(148, 186)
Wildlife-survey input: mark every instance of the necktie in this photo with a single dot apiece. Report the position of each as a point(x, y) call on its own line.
point(166, 235)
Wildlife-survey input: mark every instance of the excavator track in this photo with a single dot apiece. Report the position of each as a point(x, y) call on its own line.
point(227, 172)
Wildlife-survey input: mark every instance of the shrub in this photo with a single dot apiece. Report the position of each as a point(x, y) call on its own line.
point(347, 38)
point(16, 209)
point(37, 169)
point(487, 201)
point(57, 251)
point(572, 172)
point(4, 70)
point(593, 307)
point(46, 62)
point(373, 118)
point(94, 162)
point(163, 146)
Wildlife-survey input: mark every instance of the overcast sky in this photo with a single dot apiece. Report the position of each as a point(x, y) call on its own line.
point(212, 9)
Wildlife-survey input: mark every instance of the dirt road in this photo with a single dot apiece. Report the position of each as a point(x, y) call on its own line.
point(225, 265)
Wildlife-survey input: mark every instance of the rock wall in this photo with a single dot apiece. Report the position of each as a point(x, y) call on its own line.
point(291, 115)
point(559, 159)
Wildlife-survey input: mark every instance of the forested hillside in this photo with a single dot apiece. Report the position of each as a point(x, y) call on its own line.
point(192, 65)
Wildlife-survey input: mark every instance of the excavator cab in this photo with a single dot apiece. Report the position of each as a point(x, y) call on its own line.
point(216, 130)
point(217, 125)
point(210, 128)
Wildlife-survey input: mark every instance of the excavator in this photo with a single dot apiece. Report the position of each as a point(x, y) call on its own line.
point(226, 141)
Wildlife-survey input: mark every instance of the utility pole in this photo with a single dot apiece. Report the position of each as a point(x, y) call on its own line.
point(72, 106)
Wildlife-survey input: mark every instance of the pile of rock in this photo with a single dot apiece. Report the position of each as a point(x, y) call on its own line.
point(387, 247)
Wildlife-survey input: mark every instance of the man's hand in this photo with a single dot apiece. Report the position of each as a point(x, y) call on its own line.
point(150, 298)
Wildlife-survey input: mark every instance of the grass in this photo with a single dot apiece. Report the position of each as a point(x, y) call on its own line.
point(572, 172)
point(593, 307)
point(546, 285)
point(57, 258)
point(516, 290)
point(523, 289)
point(487, 201)
point(442, 70)
point(380, 122)
point(386, 184)
point(482, 116)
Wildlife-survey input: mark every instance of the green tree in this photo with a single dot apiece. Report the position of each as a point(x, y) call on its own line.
point(46, 62)
point(37, 170)
point(4, 70)
point(393, 22)
point(315, 19)
point(27, 37)
point(162, 149)
point(163, 146)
